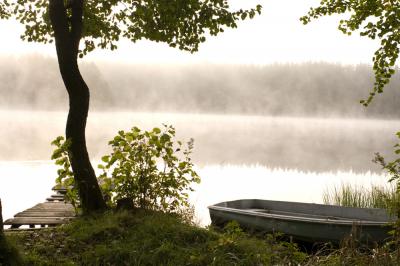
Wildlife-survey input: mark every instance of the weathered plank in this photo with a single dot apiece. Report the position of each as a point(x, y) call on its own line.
point(45, 214)
point(61, 190)
point(57, 196)
point(37, 220)
point(53, 206)
point(53, 212)
point(55, 199)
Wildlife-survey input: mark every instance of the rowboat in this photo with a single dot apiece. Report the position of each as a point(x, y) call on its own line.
point(309, 222)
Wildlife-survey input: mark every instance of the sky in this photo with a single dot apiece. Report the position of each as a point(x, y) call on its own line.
point(276, 36)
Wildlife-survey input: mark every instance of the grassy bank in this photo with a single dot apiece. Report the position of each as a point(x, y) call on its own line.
point(150, 238)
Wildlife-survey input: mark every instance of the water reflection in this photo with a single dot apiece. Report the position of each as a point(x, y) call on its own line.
point(24, 184)
point(307, 144)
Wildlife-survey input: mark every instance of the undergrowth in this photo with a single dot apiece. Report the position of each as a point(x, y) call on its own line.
point(8, 252)
point(150, 238)
point(154, 238)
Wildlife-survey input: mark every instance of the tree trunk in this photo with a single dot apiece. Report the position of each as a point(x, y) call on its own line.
point(85, 178)
point(67, 36)
point(1, 221)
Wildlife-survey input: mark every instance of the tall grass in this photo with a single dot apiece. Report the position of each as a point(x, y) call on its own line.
point(377, 196)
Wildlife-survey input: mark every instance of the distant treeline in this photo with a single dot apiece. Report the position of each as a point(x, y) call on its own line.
point(312, 89)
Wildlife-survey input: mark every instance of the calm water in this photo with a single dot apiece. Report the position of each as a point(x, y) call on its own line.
point(25, 183)
point(279, 158)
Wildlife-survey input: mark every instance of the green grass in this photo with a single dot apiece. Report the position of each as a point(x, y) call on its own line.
point(152, 238)
point(358, 196)
point(149, 238)
point(8, 252)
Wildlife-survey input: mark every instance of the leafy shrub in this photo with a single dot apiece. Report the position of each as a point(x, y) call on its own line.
point(148, 167)
point(65, 176)
point(145, 166)
point(393, 169)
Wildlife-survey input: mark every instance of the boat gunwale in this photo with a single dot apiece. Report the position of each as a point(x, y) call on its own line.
point(298, 218)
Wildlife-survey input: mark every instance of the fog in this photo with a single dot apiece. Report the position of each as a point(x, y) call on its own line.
point(292, 130)
point(312, 89)
point(304, 117)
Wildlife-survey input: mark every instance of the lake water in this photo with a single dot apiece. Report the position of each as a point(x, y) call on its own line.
point(280, 158)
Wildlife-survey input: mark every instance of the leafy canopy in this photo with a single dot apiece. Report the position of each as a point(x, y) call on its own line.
point(373, 19)
point(4, 11)
point(179, 23)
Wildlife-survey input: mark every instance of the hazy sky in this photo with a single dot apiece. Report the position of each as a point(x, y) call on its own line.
point(275, 36)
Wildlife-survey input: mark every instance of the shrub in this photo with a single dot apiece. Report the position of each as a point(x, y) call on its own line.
point(65, 176)
point(393, 169)
point(149, 168)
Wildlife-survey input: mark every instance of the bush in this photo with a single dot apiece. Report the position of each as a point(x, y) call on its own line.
point(65, 176)
point(145, 166)
point(149, 168)
point(393, 170)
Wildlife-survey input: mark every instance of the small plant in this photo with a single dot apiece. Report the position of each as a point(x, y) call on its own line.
point(393, 169)
point(65, 176)
point(149, 168)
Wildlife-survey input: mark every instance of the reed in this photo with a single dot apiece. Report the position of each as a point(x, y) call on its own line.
point(376, 196)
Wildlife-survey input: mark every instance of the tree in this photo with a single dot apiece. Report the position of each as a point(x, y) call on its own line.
point(1, 221)
point(80, 26)
point(3, 242)
point(4, 12)
point(374, 19)
point(3, 15)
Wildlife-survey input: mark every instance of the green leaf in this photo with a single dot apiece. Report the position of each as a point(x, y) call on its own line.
point(135, 170)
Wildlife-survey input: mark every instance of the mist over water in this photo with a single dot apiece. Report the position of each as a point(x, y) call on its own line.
point(310, 89)
point(307, 144)
point(281, 132)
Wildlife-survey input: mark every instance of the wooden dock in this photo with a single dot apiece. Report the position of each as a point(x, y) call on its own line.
point(54, 211)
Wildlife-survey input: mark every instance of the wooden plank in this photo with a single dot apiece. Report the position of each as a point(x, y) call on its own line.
point(55, 199)
point(49, 209)
point(53, 212)
point(52, 209)
point(37, 220)
point(45, 214)
point(62, 189)
point(57, 196)
point(53, 206)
